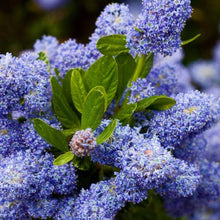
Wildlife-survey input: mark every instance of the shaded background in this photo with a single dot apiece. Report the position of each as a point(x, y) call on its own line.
point(24, 21)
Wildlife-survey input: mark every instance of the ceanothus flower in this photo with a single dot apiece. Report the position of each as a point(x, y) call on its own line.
point(158, 27)
point(25, 175)
point(24, 85)
point(48, 45)
point(13, 210)
point(71, 54)
point(121, 139)
point(173, 59)
point(163, 78)
point(204, 73)
point(42, 208)
point(182, 74)
point(114, 19)
point(193, 113)
point(104, 199)
point(212, 136)
point(10, 137)
point(192, 148)
point(207, 191)
point(140, 89)
point(144, 165)
point(182, 183)
point(152, 166)
point(65, 209)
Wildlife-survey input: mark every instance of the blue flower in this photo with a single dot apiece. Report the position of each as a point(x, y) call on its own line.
point(158, 27)
point(193, 113)
point(192, 148)
point(48, 45)
point(71, 54)
point(213, 143)
point(43, 208)
point(114, 19)
point(23, 85)
point(25, 176)
point(10, 137)
point(208, 191)
point(140, 89)
point(204, 73)
point(163, 78)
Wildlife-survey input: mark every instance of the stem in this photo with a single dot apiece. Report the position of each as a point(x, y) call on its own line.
point(139, 68)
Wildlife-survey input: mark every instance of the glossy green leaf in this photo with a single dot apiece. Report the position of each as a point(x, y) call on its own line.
point(66, 86)
point(78, 90)
point(93, 109)
point(161, 102)
point(190, 40)
point(112, 44)
point(53, 136)
point(126, 111)
point(148, 63)
point(104, 72)
point(62, 109)
point(106, 134)
point(69, 132)
point(102, 89)
point(126, 68)
point(63, 158)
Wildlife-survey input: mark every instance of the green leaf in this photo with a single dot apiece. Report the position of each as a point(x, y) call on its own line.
point(190, 40)
point(78, 90)
point(53, 136)
point(66, 86)
point(144, 65)
point(69, 132)
point(106, 134)
point(112, 44)
point(160, 102)
point(126, 111)
point(148, 63)
point(93, 109)
point(63, 158)
point(57, 73)
point(126, 68)
point(43, 57)
point(102, 89)
point(62, 109)
point(104, 72)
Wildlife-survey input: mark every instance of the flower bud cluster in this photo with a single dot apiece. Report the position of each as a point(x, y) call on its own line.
point(82, 143)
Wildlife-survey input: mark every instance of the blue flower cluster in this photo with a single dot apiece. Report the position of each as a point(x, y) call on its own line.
point(23, 85)
point(193, 113)
point(115, 19)
point(140, 89)
point(206, 73)
point(158, 27)
point(174, 152)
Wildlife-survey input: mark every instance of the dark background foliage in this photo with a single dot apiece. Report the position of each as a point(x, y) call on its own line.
point(23, 21)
